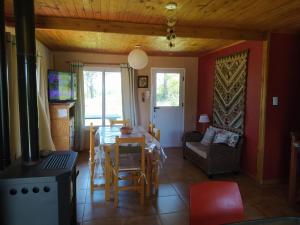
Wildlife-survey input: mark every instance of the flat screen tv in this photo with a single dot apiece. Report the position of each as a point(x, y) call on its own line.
point(61, 86)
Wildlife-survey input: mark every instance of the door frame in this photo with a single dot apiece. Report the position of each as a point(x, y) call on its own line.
point(164, 70)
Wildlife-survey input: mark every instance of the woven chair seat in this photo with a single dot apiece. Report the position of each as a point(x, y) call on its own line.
point(130, 162)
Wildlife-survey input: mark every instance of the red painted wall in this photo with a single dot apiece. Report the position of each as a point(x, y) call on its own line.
point(205, 95)
point(284, 82)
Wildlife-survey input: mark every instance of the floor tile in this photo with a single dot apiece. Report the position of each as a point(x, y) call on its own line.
point(182, 188)
point(97, 196)
point(82, 184)
point(170, 204)
point(131, 207)
point(128, 207)
point(180, 218)
point(146, 220)
point(166, 190)
point(81, 196)
point(94, 211)
point(252, 213)
point(80, 210)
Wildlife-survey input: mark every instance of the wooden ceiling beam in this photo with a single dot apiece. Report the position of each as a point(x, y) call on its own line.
point(79, 24)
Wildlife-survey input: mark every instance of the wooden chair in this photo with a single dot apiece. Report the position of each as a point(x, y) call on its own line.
point(155, 163)
point(124, 123)
point(150, 128)
point(133, 168)
point(149, 159)
point(95, 162)
point(156, 133)
point(92, 161)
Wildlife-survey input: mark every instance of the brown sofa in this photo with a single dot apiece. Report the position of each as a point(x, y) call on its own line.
point(213, 158)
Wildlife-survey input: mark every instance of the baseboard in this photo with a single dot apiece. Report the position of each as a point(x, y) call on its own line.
point(249, 175)
point(266, 181)
point(274, 181)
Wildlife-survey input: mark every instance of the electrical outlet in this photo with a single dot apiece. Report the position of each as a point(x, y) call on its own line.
point(275, 101)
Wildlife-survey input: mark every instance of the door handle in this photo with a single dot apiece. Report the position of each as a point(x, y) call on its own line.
point(155, 108)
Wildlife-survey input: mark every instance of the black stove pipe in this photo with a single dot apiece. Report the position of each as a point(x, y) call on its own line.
point(4, 113)
point(26, 59)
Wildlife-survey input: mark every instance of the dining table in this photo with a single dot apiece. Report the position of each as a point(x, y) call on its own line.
point(105, 138)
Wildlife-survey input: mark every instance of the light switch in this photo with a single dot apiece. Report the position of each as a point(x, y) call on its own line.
point(275, 101)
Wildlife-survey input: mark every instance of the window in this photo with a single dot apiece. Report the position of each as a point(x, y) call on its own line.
point(103, 96)
point(167, 89)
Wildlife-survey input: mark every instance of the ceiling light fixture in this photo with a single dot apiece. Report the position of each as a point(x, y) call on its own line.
point(171, 6)
point(137, 58)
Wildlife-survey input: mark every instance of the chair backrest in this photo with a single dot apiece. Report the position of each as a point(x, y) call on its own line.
point(119, 122)
point(130, 140)
point(214, 203)
point(92, 143)
point(150, 128)
point(156, 133)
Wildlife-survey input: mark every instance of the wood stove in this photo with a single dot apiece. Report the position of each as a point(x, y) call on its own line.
point(42, 194)
point(33, 191)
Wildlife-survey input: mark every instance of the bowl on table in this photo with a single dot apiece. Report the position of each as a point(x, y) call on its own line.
point(125, 130)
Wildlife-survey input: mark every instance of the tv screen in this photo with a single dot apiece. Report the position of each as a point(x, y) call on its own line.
point(61, 86)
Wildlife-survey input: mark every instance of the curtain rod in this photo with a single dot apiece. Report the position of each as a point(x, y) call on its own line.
point(100, 64)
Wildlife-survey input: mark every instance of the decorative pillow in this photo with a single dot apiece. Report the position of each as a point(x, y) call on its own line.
point(233, 139)
point(215, 129)
point(221, 137)
point(208, 136)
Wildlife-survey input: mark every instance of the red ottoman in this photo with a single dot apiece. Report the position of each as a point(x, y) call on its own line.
point(214, 203)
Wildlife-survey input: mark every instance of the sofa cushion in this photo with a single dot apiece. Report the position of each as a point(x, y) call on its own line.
point(233, 139)
point(216, 129)
point(208, 136)
point(221, 137)
point(198, 148)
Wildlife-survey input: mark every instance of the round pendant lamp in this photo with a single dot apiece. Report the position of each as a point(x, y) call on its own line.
point(137, 59)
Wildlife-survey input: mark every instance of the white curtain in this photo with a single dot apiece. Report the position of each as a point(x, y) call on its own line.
point(45, 139)
point(129, 94)
point(14, 120)
point(77, 67)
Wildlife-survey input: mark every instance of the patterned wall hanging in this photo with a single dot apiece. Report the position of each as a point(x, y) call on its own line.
point(230, 91)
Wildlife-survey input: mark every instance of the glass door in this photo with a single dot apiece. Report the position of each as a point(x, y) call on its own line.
point(113, 96)
point(93, 95)
point(103, 96)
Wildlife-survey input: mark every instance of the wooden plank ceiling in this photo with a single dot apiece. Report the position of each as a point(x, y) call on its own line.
point(116, 26)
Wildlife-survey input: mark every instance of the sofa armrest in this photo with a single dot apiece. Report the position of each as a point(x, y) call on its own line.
point(191, 137)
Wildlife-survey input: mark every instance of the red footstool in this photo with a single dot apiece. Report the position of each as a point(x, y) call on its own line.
point(215, 203)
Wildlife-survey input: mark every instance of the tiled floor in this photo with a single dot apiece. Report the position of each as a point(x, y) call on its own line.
point(170, 207)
